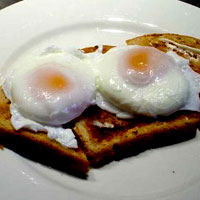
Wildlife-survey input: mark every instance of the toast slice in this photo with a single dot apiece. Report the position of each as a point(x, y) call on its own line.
point(106, 137)
point(39, 147)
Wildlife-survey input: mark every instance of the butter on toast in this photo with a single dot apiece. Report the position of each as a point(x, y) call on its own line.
point(106, 138)
point(38, 146)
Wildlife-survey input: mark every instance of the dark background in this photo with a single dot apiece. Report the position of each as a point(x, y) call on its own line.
point(193, 2)
point(5, 3)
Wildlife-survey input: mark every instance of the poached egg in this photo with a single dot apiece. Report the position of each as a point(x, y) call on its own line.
point(136, 80)
point(47, 91)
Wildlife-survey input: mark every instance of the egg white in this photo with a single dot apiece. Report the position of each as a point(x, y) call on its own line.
point(173, 91)
point(58, 108)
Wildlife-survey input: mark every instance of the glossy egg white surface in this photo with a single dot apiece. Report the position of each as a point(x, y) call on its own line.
point(161, 88)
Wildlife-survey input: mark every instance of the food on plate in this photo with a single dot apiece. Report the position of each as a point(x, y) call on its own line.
point(119, 103)
point(135, 80)
point(50, 89)
point(39, 147)
point(47, 91)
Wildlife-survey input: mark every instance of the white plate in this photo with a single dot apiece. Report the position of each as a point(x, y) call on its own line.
point(170, 173)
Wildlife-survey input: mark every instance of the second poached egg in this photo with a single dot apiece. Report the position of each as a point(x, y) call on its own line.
point(137, 80)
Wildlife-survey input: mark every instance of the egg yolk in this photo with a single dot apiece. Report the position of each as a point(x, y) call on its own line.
point(143, 65)
point(54, 81)
point(139, 60)
point(49, 79)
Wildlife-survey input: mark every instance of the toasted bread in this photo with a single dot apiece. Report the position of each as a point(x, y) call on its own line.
point(127, 137)
point(38, 146)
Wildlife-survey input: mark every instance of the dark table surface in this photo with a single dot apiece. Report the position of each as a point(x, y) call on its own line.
point(5, 3)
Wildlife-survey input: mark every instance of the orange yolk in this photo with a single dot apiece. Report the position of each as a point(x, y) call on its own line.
point(139, 61)
point(50, 79)
point(54, 81)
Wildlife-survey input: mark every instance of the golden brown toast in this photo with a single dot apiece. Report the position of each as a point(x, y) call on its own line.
point(38, 146)
point(127, 137)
